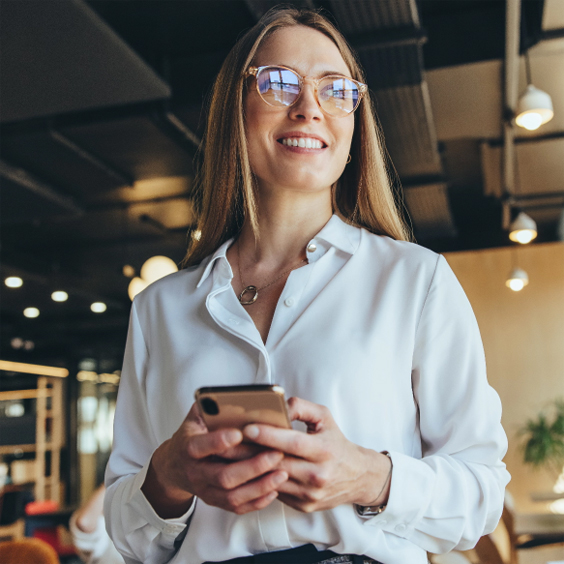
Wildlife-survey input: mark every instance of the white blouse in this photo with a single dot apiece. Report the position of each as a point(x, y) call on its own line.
point(377, 330)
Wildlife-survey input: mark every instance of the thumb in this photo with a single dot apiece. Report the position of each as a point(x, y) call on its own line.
point(193, 422)
point(315, 416)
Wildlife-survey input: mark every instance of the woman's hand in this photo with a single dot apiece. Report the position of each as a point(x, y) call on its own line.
point(325, 469)
point(214, 466)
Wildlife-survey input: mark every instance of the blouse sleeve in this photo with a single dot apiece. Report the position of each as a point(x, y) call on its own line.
point(454, 494)
point(138, 533)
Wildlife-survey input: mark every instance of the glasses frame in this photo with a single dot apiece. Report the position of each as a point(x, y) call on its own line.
point(362, 88)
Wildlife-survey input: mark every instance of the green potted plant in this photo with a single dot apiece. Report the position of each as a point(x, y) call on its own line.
point(543, 443)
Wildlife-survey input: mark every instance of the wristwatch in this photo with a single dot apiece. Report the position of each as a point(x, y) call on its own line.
point(372, 510)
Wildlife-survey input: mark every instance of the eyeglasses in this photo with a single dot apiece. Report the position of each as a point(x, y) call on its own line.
point(337, 95)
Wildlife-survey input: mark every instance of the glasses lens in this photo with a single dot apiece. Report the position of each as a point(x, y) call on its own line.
point(338, 96)
point(278, 86)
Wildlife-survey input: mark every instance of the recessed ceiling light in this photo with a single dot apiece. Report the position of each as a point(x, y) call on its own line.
point(31, 312)
point(98, 307)
point(13, 282)
point(59, 296)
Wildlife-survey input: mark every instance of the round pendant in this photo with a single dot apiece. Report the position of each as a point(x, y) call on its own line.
point(248, 290)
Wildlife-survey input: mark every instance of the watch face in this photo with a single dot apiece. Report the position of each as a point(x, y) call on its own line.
point(370, 510)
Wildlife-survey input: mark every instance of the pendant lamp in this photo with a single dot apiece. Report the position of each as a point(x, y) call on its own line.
point(517, 279)
point(523, 229)
point(535, 106)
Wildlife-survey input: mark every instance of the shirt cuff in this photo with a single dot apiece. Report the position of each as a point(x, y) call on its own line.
point(89, 544)
point(138, 502)
point(410, 492)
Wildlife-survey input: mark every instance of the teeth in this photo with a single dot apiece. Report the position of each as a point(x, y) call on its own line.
point(306, 142)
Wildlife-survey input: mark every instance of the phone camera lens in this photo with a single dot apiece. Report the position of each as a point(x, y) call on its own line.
point(210, 406)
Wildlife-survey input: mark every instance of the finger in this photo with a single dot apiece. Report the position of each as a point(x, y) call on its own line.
point(216, 442)
point(242, 451)
point(193, 422)
point(249, 493)
point(257, 504)
point(299, 504)
point(288, 441)
point(233, 475)
point(306, 472)
point(315, 416)
point(289, 488)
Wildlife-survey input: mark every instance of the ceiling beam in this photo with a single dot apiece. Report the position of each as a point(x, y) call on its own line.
point(385, 38)
point(259, 7)
point(30, 182)
point(86, 155)
point(109, 206)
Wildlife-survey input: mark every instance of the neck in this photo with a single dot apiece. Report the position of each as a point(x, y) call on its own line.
point(286, 223)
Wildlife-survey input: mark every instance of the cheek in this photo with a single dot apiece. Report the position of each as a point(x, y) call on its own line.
point(345, 135)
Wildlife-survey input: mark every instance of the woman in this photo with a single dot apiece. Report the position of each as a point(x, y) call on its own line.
point(303, 277)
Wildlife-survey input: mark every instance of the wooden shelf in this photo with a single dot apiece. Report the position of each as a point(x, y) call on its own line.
point(10, 449)
point(25, 394)
point(46, 487)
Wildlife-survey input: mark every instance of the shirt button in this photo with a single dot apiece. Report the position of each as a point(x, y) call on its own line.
point(289, 302)
point(312, 247)
point(401, 528)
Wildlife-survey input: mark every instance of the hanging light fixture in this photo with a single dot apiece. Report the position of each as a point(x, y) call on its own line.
point(517, 279)
point(535, 106)
point(523, 229)
point(156, 267)
point(135, 286)
point(152, 270)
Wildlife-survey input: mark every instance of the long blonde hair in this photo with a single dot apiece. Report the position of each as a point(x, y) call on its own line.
point(224, 187)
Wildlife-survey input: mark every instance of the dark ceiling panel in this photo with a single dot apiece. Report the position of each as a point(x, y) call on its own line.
point(392, 66)
point(464, 31)
point(408, 125)
point(174, 27)
point(367, 15)
point(42, 154)
point(72, 61)
point(136, 145)
point(22, 205)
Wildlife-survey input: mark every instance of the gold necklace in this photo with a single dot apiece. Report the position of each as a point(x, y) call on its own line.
point(253, 289)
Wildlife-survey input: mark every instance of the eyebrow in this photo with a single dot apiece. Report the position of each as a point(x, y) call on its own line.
point(322, 74)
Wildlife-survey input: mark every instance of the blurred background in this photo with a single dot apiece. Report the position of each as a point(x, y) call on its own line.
point(103, 105)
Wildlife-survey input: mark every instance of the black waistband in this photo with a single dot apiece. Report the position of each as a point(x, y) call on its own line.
point(306, 554)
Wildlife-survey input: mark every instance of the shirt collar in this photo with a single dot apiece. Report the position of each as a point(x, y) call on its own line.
point(336, 233)
point(341, 235)
point(219, 255)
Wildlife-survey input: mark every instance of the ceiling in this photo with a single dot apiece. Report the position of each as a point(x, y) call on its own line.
point(103, 107)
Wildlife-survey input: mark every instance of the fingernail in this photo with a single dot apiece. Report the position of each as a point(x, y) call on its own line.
point(274, 457)
point(233, 436)
point(251, 431)
point(280, 478)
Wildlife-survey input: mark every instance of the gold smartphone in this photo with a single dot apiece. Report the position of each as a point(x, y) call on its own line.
point(237, 406)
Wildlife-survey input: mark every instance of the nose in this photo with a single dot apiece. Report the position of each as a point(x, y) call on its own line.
point(306, 107)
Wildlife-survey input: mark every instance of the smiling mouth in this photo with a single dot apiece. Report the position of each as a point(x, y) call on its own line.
point(304, 142)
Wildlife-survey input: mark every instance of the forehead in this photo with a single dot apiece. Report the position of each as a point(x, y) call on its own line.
point(303, 49)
